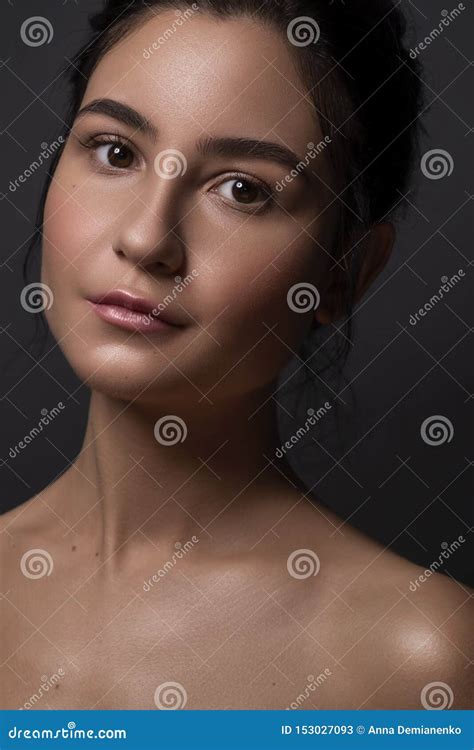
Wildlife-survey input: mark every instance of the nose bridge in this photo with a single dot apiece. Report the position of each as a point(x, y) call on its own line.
point(148, 229)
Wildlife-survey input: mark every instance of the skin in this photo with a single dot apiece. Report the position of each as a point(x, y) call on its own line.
point(227, 621)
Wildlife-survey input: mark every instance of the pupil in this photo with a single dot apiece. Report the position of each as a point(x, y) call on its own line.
point(244, 191)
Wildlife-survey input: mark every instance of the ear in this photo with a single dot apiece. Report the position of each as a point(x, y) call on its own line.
point(378, 246)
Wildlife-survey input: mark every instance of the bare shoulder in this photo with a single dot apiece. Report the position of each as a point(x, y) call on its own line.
point(399, 634)
point(423, 626)
point(21, 535)
point(19, 528)
point(41, 513)
point(19, 514)
point(27, 518)
point(33, 524)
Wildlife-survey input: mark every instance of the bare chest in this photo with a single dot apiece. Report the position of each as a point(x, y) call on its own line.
point(120, 648)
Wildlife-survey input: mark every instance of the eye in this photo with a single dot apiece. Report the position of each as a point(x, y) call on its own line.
point(116, 155)
point(110, 152)
point(245, 191)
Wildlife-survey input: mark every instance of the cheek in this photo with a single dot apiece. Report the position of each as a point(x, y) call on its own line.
point(64, 237)
point(258, 267)
point(68, 225)
point(245, 293)
point(75, 220)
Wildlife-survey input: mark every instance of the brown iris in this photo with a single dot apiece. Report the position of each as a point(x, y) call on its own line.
point(245, 192)
point(120, 156)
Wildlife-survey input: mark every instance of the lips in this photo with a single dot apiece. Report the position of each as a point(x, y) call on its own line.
point(126, 310)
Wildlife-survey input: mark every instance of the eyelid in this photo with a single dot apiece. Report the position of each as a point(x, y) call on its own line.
point(234, 176)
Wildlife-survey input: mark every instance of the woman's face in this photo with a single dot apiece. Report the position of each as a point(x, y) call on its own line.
point(121, 215)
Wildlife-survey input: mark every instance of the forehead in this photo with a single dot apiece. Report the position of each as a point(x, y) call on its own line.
point(193, 73)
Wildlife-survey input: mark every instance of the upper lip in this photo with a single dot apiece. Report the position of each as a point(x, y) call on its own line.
point(132, 301)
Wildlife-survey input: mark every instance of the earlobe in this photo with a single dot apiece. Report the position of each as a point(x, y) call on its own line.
point(378, 246)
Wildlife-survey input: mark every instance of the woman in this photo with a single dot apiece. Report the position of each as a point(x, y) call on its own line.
point(226, 189)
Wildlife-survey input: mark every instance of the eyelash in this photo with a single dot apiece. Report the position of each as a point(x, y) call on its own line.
point(114, 139)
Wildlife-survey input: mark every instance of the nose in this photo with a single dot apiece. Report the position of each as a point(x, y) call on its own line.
point(147, 233)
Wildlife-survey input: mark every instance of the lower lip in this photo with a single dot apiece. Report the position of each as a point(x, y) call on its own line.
point(130, 320)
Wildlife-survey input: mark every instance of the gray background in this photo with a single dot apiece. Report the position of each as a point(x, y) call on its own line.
point(376, 471)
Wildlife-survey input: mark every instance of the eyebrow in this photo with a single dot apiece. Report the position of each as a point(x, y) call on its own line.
point(121, 112)
point(215, 146)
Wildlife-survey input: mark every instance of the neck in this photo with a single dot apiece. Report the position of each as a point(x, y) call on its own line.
point(140, 483)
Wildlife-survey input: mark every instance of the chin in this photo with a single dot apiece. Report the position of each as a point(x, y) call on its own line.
point(124, 377)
